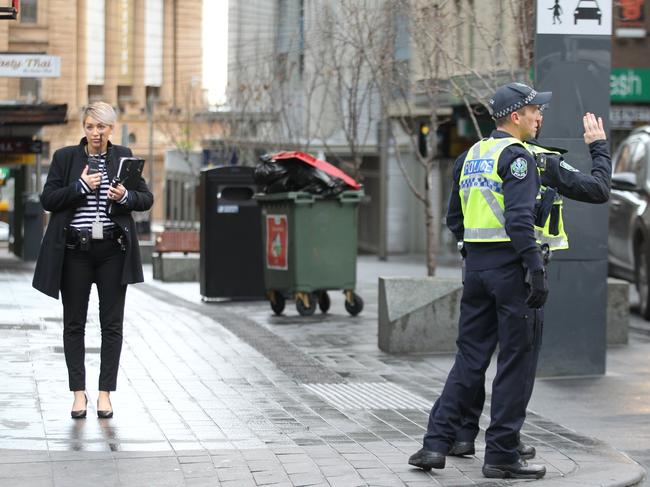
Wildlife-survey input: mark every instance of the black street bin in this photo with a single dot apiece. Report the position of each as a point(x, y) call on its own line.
point(231, 242)
point(32, 227)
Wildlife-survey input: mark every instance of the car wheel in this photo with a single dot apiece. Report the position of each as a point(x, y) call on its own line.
point(642, 285)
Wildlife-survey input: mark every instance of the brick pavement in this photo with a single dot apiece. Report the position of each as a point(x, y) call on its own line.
point(227, 395)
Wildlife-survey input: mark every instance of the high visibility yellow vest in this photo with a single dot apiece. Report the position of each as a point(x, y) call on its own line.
point(481, 191)
point(552, 233)
point(482, 197)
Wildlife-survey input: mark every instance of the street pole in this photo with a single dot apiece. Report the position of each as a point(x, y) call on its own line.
point(573, 60)
point(39, 165)
point(150, 104)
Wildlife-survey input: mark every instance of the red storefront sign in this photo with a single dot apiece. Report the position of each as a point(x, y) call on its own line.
point(631, 13)
point(277, 242)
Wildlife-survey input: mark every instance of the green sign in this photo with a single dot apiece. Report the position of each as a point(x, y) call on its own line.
point(629, 85)
point(4, 172)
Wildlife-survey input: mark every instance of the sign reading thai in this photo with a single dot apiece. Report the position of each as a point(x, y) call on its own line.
point(30, 66)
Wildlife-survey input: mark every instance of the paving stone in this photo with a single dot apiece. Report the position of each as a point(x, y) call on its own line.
point(300, 467)
point(22, 470)
point(159, 479)
point(306, 479)
point(238, 483)
point(33, 482)
point(209, 402)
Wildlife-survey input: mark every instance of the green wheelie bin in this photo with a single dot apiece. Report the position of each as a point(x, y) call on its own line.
point(310, 247)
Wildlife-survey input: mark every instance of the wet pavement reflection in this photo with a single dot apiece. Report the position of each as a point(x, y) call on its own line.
point(206, 400)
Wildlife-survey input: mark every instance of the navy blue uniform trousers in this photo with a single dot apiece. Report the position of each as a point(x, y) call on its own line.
point(493, 312)
point(470, 423)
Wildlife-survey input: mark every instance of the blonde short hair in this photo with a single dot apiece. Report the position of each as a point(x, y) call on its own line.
point(100, 111)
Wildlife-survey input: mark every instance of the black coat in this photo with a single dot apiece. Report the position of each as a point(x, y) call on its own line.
point(61, 197)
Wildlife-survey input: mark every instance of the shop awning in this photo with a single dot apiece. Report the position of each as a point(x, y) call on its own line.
point(33, 114)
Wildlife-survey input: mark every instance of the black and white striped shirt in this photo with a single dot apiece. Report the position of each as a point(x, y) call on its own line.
point(86, 214)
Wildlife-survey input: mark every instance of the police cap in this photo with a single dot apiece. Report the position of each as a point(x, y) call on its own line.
point(513, 96)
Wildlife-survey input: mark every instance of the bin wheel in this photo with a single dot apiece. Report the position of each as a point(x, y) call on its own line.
point(277, 302)
point(324, 302)
point(353, 303)
point(306, 303)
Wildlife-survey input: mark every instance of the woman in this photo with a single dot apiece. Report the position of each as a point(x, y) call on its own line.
point(91, 237)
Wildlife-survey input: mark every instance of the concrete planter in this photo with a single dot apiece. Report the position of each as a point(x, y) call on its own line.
point(418, 314)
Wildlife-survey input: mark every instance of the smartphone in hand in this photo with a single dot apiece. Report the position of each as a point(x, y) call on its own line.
point(93, 165)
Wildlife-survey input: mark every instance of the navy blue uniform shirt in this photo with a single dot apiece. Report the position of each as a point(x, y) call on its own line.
point(569, 182)
point(519, 191)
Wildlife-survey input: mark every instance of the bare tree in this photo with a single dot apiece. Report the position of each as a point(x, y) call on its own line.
point(501, 60)
point(183, 126)
point(454, 55)
point(412, 90)
point(348, 31)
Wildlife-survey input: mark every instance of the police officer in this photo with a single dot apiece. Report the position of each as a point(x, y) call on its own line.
point(494, 195)
point(556, 175)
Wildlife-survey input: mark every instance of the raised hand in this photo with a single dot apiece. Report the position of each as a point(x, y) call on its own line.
point(593, 128)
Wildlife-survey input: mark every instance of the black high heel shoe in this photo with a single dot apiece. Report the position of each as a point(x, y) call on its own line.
point(105, 413)
point(80, 413)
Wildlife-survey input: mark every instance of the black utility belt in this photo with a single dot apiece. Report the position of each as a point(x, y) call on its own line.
point(80, 238)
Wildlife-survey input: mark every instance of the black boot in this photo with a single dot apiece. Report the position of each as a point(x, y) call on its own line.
point(426, 460)
point(517, 470)
point(462, 448)
point(526, 452)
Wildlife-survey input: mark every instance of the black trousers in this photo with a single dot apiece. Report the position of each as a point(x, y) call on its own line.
point(101, 264)
point(493, 311)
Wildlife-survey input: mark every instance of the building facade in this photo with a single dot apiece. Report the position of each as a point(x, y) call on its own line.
point(630, 79)
point(144, 57)
point(350, 80)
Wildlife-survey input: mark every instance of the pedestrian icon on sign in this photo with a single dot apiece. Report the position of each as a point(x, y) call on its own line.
point(557, 11)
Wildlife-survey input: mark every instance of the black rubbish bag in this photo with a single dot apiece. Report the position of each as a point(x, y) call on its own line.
point(279, 176)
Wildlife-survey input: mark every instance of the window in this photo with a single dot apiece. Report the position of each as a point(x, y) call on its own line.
point(28, 10)
point(30, 90)
point(402, 41)
point(124, 96)
point(153, 92)
point(624, 161)
point(95, 93)
point(290, 42)
point(301, 38)
point(639, 157)
point(471, 32)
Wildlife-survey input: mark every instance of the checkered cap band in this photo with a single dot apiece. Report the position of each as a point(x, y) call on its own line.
point(516, 106)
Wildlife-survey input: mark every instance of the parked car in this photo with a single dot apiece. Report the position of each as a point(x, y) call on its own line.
point(629, 215)
point(588, 10)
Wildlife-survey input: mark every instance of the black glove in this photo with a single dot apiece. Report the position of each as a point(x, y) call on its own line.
point(538, 289)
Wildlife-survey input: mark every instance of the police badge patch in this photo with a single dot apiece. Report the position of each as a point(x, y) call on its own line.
point(568, 166)
point(519, 168)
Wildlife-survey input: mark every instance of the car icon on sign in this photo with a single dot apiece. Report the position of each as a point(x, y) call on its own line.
point(587, 10)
